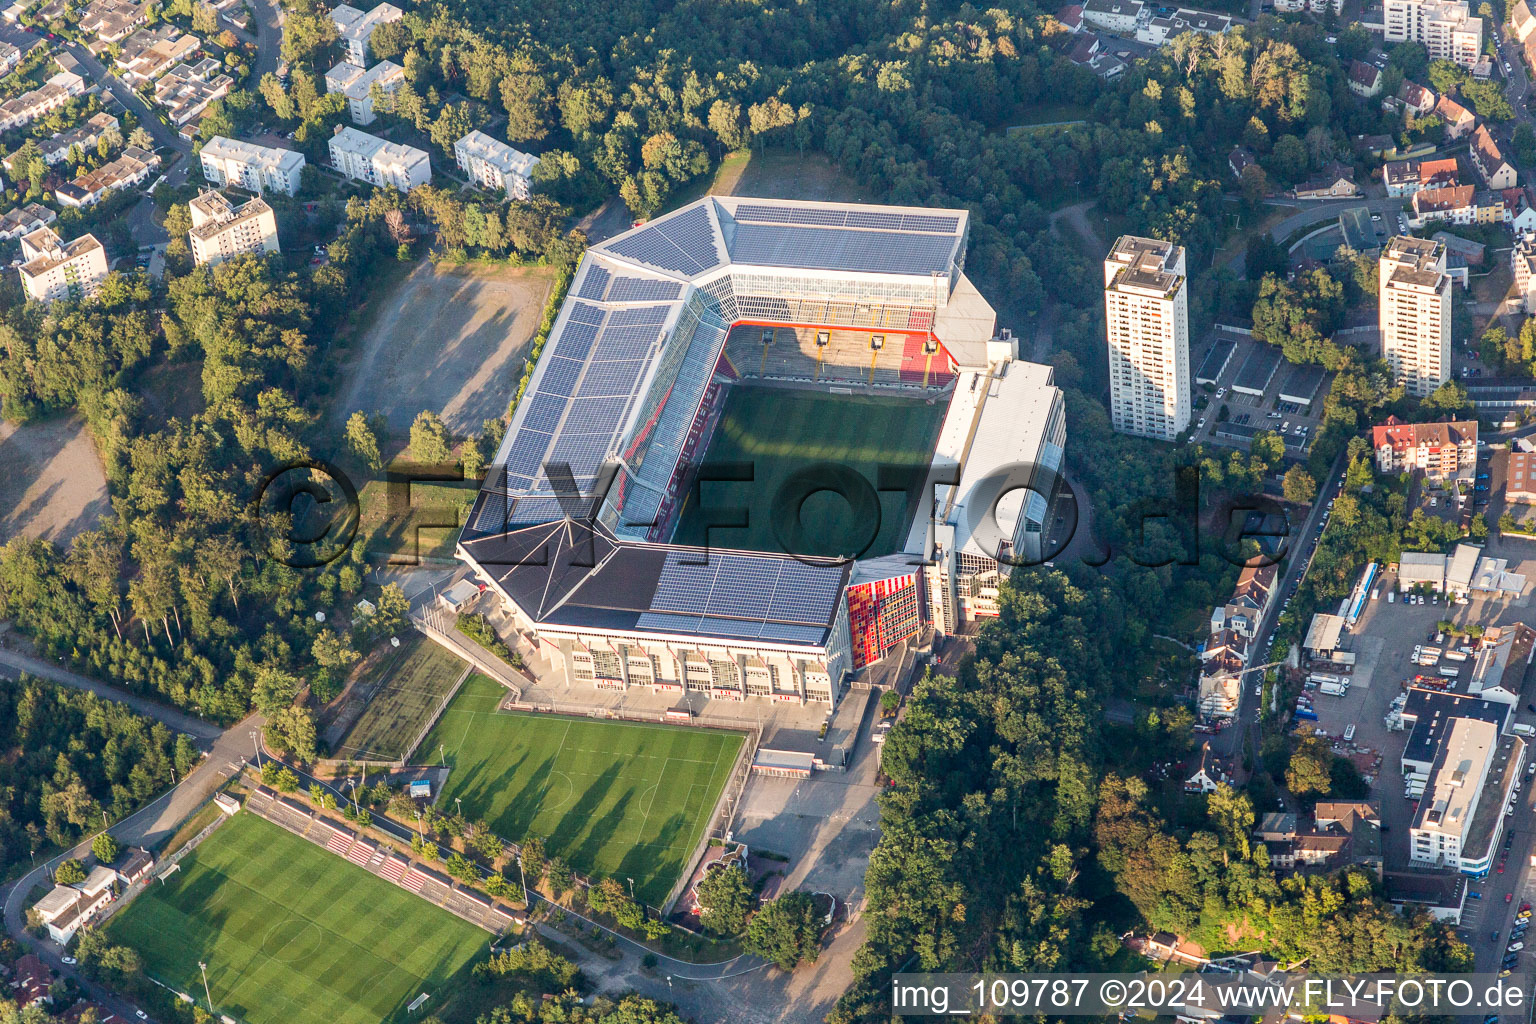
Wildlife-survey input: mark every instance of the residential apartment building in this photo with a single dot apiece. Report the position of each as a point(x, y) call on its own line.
point(132, 168)
point(1523, 256)
point(357, 85)
point(1461, 204)
point(492, 164)
point(1442, 451)
point(1250, 599)
point(1458, 119)
point(1364, 79)
point(1415, 313)
point(51, 95)
point(111, 21)
point(186, 90)
point(1146, 301)
point(149, 52)
point(356, 27)
point(1444, 27)
point(23, 220)
point(55, 269)
point(221, 230)
point(1497, 172)
point(86, 136)
point(1408, 177)
point(1333, 181)
point(370, 158)
point(251, 167)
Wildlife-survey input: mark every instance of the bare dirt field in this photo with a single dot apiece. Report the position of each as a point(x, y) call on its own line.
point(450, 339)
point(51, 481)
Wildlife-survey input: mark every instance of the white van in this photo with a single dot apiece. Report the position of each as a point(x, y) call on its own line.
point(1349, 732)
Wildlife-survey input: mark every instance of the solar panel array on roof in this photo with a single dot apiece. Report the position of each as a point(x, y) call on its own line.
point(643, 289)
point(792, 245)
point(684, 243)
point(764, 591)
point(593, 285)
point(883, 220)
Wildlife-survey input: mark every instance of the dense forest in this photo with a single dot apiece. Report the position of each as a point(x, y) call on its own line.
point(68, 757)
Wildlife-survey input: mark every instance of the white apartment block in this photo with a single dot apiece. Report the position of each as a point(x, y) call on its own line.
point(1444, 27)
point(55, 269)
point(1451, 797)
point(1146, 305)
point(251, 167)
point(51, 95)
point(370, 158)
point(221, 230)
point(1524, 259)
point(492, 164)
point(357, 85)
point(356, 27)
point(1415, 313)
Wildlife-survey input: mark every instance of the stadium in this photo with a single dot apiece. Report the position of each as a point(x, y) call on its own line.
point(762, 449)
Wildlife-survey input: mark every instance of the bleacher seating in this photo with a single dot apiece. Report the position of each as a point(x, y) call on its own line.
point(847, 356)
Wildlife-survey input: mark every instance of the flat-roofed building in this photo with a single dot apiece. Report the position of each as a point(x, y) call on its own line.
point(370, 158)
point(55, 269)
point(1415, 313)
point(251, 167)
point(1146, 301)
point(355, 27)
point(221, 230)
point(1456, 784)
point(493, 164)
point(1444, 27)
point(357, 86)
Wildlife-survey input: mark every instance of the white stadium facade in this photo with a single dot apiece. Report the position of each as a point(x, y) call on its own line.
point(572, 527)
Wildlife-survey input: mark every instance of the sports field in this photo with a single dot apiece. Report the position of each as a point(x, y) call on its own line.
point(617, 799)
point(794, 502)
point(292, 933)
point(413, 682)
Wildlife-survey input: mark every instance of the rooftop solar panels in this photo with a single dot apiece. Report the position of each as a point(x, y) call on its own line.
point(684, 242)
point(642, 289)
point(789, 245)
point(834, 217)
point(595, 283)
point(745, 595)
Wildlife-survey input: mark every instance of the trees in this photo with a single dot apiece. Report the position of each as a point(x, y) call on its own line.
point(69, 872)
point(726, 897)
point(1310, 767)
point(362, 442)
point(1298, 486)
point(429, 438)
point(786, 931)
point(105, 848)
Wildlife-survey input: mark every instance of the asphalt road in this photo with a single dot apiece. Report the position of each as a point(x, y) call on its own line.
point(1312, 214)
point(1228, 742)
point(13, 663)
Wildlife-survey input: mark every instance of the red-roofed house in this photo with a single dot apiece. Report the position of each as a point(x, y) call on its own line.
point(1497, 172)
point(1413, 98)
point(1410, 176)
point(1364, 79)
point(1452, 204)
point(1441, 450)
point(1458, 119)
point(1072, 17)
point(31, 981)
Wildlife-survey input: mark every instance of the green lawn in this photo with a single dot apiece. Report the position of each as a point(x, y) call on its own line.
point(784, 434)
point(417, 677)
point(617, 799)
point(292, 933)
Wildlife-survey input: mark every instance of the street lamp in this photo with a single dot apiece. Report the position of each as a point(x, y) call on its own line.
point(442, 755)
point(206, 993)
point(256, 745)
point(458, 805)
point(631, 888)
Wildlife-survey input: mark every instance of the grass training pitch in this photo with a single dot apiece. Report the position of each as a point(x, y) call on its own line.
point(788, 437)
point(415, 679)
point(292, 933)
point(616, 799)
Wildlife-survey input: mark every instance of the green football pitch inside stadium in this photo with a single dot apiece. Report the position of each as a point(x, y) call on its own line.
point(794, 502)
point(616, 799)
point(291, 932)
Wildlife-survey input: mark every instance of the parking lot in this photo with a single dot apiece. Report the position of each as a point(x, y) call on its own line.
point(1247, 413)
point(1383, 640)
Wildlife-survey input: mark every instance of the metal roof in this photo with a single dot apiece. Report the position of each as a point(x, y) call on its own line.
point(636, 343)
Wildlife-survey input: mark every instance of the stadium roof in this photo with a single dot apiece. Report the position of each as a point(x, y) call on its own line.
point(635, 345)
point(578, 575)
